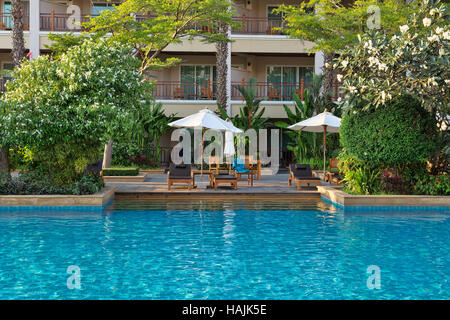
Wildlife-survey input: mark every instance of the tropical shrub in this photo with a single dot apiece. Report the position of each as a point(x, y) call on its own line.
point(37, 183)
point(251, 114)
point(380, 66)
point(433, 185)
point(304, 144)
point(394, 134)
point(360, 177)
point(65, 109)
point(120, 171)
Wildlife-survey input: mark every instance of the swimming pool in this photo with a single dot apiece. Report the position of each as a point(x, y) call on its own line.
point(179, 249)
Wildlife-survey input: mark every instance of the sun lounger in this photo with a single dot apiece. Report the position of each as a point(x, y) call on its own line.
point(180, 173)
point(302, 173)
point(224, 178)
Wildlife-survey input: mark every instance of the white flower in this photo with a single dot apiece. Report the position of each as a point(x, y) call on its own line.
point(433, 38)
point(339, 99)
point(439, 30)
point(433, 12)
point(352, 89)
point(327, 65)
point(382, 66)
point(432, 82)
point(339, 77)
point(404, 28)
point(446, 35)
point(373, 60)
point(447, 81)
point(426, 22)
point(383, 96)
point(344, 63)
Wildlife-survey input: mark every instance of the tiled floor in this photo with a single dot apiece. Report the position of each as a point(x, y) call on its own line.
point(276, 185)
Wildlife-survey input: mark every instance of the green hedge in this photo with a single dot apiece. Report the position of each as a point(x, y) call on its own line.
point(397, 133)
point(120, 171)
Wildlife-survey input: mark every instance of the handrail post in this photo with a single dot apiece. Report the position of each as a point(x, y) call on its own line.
point(243, 23)
point(302, 89)
point(52, 20)
point(243, 85)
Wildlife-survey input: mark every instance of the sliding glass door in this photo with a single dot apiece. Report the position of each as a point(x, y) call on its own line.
point(198, 81)
point(284, 81)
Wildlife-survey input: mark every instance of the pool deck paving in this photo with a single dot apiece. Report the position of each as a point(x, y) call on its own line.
point(268, 186)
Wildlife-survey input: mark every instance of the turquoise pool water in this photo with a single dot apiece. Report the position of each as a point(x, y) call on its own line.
point(224, 250)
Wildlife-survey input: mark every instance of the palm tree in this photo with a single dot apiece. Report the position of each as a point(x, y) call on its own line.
point(18, 53)
point(18, 47)
point(222, 67)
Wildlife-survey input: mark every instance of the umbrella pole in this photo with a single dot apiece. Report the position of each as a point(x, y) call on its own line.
point(203, 145)
point(324, 148)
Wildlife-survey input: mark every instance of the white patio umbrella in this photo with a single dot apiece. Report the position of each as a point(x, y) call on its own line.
point(229, 150)
point(322, 122)
point(205, 119)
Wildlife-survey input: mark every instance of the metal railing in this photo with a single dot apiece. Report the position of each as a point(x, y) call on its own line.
point(205, 90)
point(6, 21)
point(250, 25)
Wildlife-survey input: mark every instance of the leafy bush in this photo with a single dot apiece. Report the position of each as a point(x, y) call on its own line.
point(120, 171)
point(65, 108)
point(397, 133)
point(433, 185)
point(359, 176)
point(36, 183)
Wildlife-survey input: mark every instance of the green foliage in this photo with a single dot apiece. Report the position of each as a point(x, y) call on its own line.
point(120, 171)
point(251, 114)
point(303, 144)
point(433, 185)
point(61, 42)
point(150, 124)
point(380, 66)
point(19, 157)
point(395, 134)
point(37, 183)
point(360, 177)
point(142, 145)
point(65, 109)
point(333, 25)
point(164, 22)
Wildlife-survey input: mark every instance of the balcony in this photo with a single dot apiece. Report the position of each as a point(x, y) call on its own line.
point(184, 90)
point(248, 25)
point(267, 26)
point(6, 21)
point(58, 22)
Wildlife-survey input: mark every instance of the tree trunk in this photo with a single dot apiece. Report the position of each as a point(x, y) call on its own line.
point(222, 68)
point(4, 162)
point(328, 77)
point(18, 53)
point(107, 155)
point(18, 46)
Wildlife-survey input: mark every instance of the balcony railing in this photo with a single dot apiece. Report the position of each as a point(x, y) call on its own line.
point(206, 90)
point(185, 90)
point(248, 25)
point(6, 21)
point(58, 22)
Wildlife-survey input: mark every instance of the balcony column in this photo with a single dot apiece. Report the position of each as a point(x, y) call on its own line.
point(34, 29)
point(319, 62)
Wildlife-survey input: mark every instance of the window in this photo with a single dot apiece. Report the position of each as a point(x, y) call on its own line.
point(195, 80)
point(7, 17)
point(284, 81)
point(98, 7)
